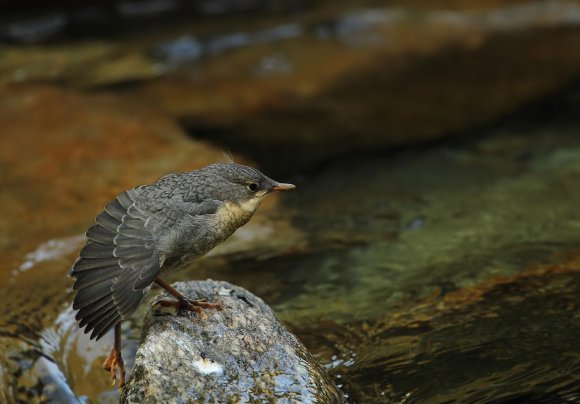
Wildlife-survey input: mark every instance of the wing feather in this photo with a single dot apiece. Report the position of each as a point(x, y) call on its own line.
point(120, 259)
point(96, 250)
point(101, 306)
point(117, 264)
point(105, 325)
point(116, 210)
point(86, 264)
point(100, 234)
point(99, 291)
point(96, 275)
point(107, 221)
point(94, 318)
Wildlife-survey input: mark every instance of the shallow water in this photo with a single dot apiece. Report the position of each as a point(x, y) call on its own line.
point(448, 271)
point(472, 295)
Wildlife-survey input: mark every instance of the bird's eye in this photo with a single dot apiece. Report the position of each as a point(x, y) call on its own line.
point(253, 187)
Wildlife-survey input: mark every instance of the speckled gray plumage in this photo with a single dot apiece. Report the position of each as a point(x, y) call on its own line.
point(157, 227)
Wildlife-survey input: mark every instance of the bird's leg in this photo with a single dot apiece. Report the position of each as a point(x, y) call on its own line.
point(115, 360)
point(182, 301)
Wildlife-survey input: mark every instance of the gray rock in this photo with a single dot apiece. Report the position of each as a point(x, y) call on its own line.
point(240, 354)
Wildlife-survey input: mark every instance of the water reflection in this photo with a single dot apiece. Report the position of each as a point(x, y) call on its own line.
point(73, 362)
point(51, 250)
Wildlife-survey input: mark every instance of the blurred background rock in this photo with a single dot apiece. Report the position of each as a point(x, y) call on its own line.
point(435, 146)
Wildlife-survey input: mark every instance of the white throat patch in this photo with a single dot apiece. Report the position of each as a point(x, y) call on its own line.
point(252, 204)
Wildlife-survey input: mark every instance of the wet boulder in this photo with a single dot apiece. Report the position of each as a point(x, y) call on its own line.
point(240, 354)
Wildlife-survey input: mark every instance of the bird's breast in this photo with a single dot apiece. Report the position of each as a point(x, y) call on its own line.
point(214, 229)
point(185, 244)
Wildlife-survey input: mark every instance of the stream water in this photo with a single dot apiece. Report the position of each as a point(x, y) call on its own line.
point(444, 274)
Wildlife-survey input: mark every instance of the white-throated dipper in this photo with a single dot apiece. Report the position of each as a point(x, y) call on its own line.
point(154, 228)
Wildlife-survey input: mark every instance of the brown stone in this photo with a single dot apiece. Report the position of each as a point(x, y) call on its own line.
point(65, 154)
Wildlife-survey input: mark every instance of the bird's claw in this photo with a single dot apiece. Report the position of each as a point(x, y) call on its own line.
point(202, 304)
point(191, 305)
point(113, 362)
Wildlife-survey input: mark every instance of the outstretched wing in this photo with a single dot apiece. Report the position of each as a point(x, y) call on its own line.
point(116, 265)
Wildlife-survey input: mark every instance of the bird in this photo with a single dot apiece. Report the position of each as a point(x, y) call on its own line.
point(153, 229)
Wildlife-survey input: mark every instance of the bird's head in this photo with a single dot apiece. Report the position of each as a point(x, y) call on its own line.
point(243, 185)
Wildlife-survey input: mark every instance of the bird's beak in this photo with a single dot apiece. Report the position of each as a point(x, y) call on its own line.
point(283, 187)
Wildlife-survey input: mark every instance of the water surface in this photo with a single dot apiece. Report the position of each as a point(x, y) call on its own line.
point(435, 272)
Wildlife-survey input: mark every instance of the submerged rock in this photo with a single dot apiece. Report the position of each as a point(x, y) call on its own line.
point(240, 354)
point(324, 81)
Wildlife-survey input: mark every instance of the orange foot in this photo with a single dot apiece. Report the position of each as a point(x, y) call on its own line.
point(114, 362)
